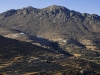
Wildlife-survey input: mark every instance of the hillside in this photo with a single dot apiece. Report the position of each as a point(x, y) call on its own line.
point(23, 58)
point(74, 31)
point(49, 41)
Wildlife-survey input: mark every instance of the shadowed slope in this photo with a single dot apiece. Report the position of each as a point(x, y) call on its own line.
point(22, 58)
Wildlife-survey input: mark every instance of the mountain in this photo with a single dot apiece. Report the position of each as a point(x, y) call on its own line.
point(24, 58)
point(49, 41)
point(55, 23)
point(52, 22)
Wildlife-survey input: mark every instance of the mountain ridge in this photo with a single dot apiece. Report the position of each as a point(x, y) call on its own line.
point(49, 7)
point(52, 22)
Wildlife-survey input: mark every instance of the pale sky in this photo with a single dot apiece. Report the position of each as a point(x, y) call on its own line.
point(87, 6)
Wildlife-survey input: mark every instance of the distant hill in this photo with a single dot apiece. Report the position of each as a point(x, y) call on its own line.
point(52, 22)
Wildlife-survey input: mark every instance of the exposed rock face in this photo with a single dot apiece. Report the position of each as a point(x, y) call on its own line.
point(8, 13)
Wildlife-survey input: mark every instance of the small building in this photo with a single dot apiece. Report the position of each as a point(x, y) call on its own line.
point(64, 41)
point(21, 33)
point(39, 37)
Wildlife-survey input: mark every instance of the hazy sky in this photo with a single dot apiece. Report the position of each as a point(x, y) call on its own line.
point(88, 6)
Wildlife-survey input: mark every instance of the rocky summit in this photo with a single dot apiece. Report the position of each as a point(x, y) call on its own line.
point(49, 41)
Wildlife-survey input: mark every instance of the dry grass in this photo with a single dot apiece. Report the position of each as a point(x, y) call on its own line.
point(15, 59)
point(5, 65)
point(31, 73)
point(4, 73)
point(77, 55)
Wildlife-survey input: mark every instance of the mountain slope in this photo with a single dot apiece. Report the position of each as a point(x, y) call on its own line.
point(14, 52)
point(22, 58)
point(76, 32)
point(52, 22)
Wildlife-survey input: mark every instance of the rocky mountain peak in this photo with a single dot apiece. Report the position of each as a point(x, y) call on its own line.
point(57, 8)
point(91, 16)
point(8, 13)
point(65, 22)
point(27, 10)
point(52, 7)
